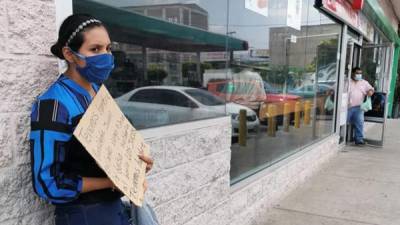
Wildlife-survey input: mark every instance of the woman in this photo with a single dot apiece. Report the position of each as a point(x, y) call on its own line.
point(63, 172)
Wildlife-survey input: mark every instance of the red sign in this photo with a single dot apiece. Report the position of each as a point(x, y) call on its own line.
point(345, 11)
point(342, 9)
point(358, 4)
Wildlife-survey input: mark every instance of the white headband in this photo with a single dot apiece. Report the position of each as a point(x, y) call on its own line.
point(80, 28)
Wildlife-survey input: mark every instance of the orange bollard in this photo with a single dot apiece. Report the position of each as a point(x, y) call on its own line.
point(286, 117)
point(307, 112)
point(272, 112)
point(297, 111)
point(263, 112)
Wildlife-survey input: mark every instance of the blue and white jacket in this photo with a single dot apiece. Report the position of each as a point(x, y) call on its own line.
point(58, 160)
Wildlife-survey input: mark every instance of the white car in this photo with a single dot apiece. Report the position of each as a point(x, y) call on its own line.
point(161, 105)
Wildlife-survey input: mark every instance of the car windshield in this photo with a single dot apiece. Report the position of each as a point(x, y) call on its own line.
point(204, 97)
point(241, 88)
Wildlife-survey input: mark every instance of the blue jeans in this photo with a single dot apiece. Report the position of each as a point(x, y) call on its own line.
point(105, 213)
point(355, 117)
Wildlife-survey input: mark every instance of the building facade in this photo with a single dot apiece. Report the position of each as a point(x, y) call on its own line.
point(230, 135)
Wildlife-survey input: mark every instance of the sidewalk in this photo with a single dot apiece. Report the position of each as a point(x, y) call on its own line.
point(361, 186)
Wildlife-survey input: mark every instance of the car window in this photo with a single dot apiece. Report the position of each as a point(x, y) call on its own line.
point(204, 97)
point(302, 89)
point(147, 96)
point(170, 97)
point(161, 96)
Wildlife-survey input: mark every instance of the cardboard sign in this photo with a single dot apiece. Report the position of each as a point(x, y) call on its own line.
point(115, 145)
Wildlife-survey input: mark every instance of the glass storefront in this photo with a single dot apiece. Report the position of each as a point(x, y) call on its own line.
point(271, 65)
point(163, 53)
point(294, 49)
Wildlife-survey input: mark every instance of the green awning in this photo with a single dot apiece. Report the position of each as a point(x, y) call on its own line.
point(134, 28)
point(374, 12)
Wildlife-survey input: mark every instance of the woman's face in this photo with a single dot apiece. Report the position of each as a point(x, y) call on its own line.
point(96, 41)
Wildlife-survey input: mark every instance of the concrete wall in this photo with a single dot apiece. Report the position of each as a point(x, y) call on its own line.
point(27, 28)
point(190, 182)
point(191, 173)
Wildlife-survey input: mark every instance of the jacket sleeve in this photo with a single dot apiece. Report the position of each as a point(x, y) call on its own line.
point(50, 132)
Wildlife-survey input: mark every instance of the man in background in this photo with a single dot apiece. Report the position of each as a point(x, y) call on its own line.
point(358, 90)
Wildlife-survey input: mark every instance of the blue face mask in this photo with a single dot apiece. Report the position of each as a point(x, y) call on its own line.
point(97, 68)
point(358, 77)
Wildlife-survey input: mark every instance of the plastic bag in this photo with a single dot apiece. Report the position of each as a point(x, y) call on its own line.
point(144, 215)
point(366, 105)
point(329, 105)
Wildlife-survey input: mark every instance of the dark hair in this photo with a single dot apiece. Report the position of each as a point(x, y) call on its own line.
point(68, 27)
point(355, 69)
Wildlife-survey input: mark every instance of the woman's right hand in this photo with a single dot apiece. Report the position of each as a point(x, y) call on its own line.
point(149, 162)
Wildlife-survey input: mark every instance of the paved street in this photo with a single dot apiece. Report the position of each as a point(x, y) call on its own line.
point(360, 186)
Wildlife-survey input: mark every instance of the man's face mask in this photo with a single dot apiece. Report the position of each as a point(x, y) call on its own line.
point(358, 76)
point(97, 68)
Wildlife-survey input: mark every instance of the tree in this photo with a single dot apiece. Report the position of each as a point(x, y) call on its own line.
point(155, 74)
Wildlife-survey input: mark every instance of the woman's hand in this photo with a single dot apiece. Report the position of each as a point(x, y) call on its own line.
point(149, 162)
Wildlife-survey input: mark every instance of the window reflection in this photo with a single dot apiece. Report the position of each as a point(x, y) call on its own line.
point(297, 67)
point(275, 62)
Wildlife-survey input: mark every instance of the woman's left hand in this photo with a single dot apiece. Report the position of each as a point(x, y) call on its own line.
point(149, 162)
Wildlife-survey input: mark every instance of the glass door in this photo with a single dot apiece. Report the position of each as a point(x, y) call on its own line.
point(375, 63)
point(342, 109)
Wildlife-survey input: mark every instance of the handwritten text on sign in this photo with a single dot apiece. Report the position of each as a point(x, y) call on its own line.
point(115, 145)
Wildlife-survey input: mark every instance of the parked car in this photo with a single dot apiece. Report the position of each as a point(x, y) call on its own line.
point(252, 95)
point(160, 105)
point(308, 92)
point(247, 93)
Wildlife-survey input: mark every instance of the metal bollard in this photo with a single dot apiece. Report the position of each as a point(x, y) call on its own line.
point(297, 111)
point(272, 111)
point(307, 112)
point(286, 117)
point(243, 127)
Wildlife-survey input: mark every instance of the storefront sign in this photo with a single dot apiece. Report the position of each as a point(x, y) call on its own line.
point(258, 6)
point(294, 10)
point(358, 4)
point(344, 11)
point(115, 144)
point(259, 53)
point(213, 56)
